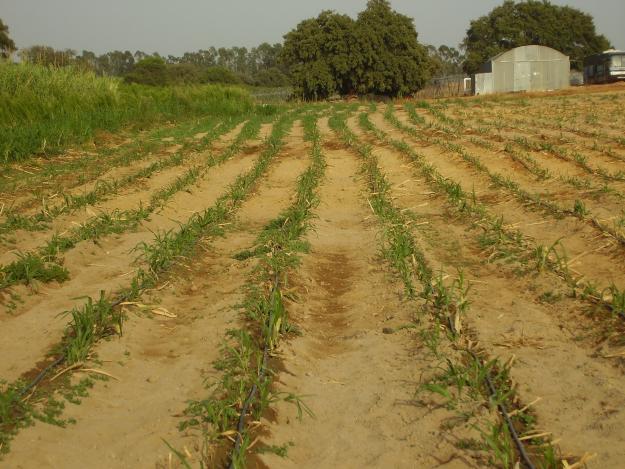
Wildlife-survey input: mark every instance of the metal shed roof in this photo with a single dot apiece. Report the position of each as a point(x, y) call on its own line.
point(529, 53)
point(524, 54)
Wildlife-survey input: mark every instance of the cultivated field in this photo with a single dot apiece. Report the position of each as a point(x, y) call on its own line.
point(415, 284)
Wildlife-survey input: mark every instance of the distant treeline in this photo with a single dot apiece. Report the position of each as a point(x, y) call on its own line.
point(377, 53)
point(259, 66)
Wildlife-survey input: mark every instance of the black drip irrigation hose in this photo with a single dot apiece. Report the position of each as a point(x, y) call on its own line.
point(252, 394)
point(500, 405)
point(506, 416)
point(43, 373)
point(247, 404)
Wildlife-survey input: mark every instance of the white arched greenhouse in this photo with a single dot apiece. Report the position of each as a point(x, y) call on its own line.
point(527, 68)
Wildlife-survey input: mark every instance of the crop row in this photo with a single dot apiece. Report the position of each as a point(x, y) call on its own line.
point(575, 157)
point(244, 390)
point(456, 127)
point(44, 263)
point(578, 210)
point(100, 317)
point(104, 189)
point(508, 242)
point(556, 123)
point(72, 170)
point(446, 305)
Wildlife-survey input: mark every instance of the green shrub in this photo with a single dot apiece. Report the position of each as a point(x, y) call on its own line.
point(184, 74)
point(149, 71)
point(220, 75)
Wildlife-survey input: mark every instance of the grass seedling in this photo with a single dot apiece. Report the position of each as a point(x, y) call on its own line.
point(30, 267)
point(579, 208)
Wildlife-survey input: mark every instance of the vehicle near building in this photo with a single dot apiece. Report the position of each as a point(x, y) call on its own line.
point(607, 67)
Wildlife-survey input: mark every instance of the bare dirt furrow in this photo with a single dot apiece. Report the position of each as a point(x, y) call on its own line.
point(162, 363)
point(556, 357)
point(357, 380)
point(578, 238)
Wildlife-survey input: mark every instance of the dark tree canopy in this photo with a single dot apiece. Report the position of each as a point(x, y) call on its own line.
point(6, 43)
point(321, 56)
point(532, 22)
point(390, 59)
point(378, 53)
point(149, 71)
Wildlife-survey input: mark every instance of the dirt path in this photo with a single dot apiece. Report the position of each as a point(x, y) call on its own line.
point(357, 380)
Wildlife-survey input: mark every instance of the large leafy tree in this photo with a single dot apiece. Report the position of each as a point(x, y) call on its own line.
point(378, 53)
point(321, 56)
point(532, 22)
point(7, 46)
point(391, 60)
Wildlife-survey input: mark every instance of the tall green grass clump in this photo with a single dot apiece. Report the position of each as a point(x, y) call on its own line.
point(43, 109)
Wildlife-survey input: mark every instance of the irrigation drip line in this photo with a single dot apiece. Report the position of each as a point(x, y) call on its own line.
point(252, 394)
point(500, 405)
point(506, 416)
point(42, 374)
point(247, 404)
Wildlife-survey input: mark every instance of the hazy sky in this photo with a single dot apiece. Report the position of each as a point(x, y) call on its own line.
point(174, 27)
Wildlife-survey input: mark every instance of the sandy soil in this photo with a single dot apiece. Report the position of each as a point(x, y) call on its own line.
point(159, 362)
point(353, 364)
point(358, 381)
point(557, 358)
